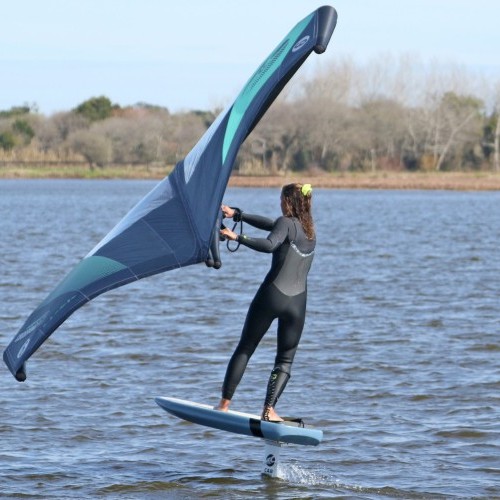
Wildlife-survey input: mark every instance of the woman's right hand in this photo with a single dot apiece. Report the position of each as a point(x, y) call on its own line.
point(227, 211)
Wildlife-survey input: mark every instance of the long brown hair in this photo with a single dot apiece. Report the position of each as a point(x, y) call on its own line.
point(296, 202)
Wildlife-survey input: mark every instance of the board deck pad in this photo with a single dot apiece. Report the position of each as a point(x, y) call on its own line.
point(241, 423)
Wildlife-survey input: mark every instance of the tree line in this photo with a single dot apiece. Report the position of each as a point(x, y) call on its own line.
point(387, 114)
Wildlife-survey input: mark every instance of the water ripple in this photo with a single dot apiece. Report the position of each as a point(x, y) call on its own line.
point(398, 363)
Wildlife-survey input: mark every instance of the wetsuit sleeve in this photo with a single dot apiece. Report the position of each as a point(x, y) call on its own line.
point(274, 239)
point(258, 221)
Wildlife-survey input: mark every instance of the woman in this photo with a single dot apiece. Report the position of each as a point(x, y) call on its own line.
point(281, 296)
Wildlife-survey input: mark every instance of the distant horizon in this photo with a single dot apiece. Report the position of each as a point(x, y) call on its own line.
point(477, 75)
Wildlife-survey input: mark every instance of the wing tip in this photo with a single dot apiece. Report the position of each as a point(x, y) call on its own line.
point(327, 20)
point(19, 372)
point(20, 375)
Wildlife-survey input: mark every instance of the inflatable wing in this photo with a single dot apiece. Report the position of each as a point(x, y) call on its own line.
point(173, 225)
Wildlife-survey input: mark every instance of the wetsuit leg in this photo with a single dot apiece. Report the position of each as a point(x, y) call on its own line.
point(275, 386)
point(259, 318)
point(290, 326)
point(268, 304)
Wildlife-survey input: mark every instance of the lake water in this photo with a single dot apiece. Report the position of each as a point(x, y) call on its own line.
point(399, 362)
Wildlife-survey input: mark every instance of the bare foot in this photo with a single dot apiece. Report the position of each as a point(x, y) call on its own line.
point(223, 405)
point(271, 415)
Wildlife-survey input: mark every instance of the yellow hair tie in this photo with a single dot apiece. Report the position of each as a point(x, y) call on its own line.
point(306, 189)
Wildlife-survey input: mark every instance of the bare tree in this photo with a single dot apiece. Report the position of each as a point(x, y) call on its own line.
point(458, 120)
point(95, 148)
point(496, 143)
point(492, 129)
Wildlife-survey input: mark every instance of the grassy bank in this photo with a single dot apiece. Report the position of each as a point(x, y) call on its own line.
point(463, 181)
point(82, 172)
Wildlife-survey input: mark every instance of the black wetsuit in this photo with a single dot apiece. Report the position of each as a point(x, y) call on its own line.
point(281, 296)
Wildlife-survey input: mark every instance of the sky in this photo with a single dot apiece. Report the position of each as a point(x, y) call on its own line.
point(198, 54)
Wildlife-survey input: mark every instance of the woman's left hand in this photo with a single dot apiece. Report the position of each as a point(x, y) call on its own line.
point(228, 212)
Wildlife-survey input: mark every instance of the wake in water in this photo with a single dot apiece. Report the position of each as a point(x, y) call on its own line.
point(296, 474)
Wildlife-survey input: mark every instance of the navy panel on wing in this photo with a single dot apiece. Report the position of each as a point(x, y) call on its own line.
point(161, 240)
point(207, 182)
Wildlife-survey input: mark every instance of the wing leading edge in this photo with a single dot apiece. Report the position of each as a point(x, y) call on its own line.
point(172, 226)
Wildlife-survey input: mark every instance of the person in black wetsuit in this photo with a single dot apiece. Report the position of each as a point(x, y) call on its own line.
point(282, 295)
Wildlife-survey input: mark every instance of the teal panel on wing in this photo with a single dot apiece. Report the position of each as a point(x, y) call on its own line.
point(86, 272)
point(257, 81)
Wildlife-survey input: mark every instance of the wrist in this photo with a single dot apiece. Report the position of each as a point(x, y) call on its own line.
point(236, 214)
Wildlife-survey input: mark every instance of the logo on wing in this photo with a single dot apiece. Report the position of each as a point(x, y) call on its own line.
point(31, 327)
point(23, 348)
point(300, 43)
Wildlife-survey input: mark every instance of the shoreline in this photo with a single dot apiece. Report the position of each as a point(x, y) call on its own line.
point(458, 181)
